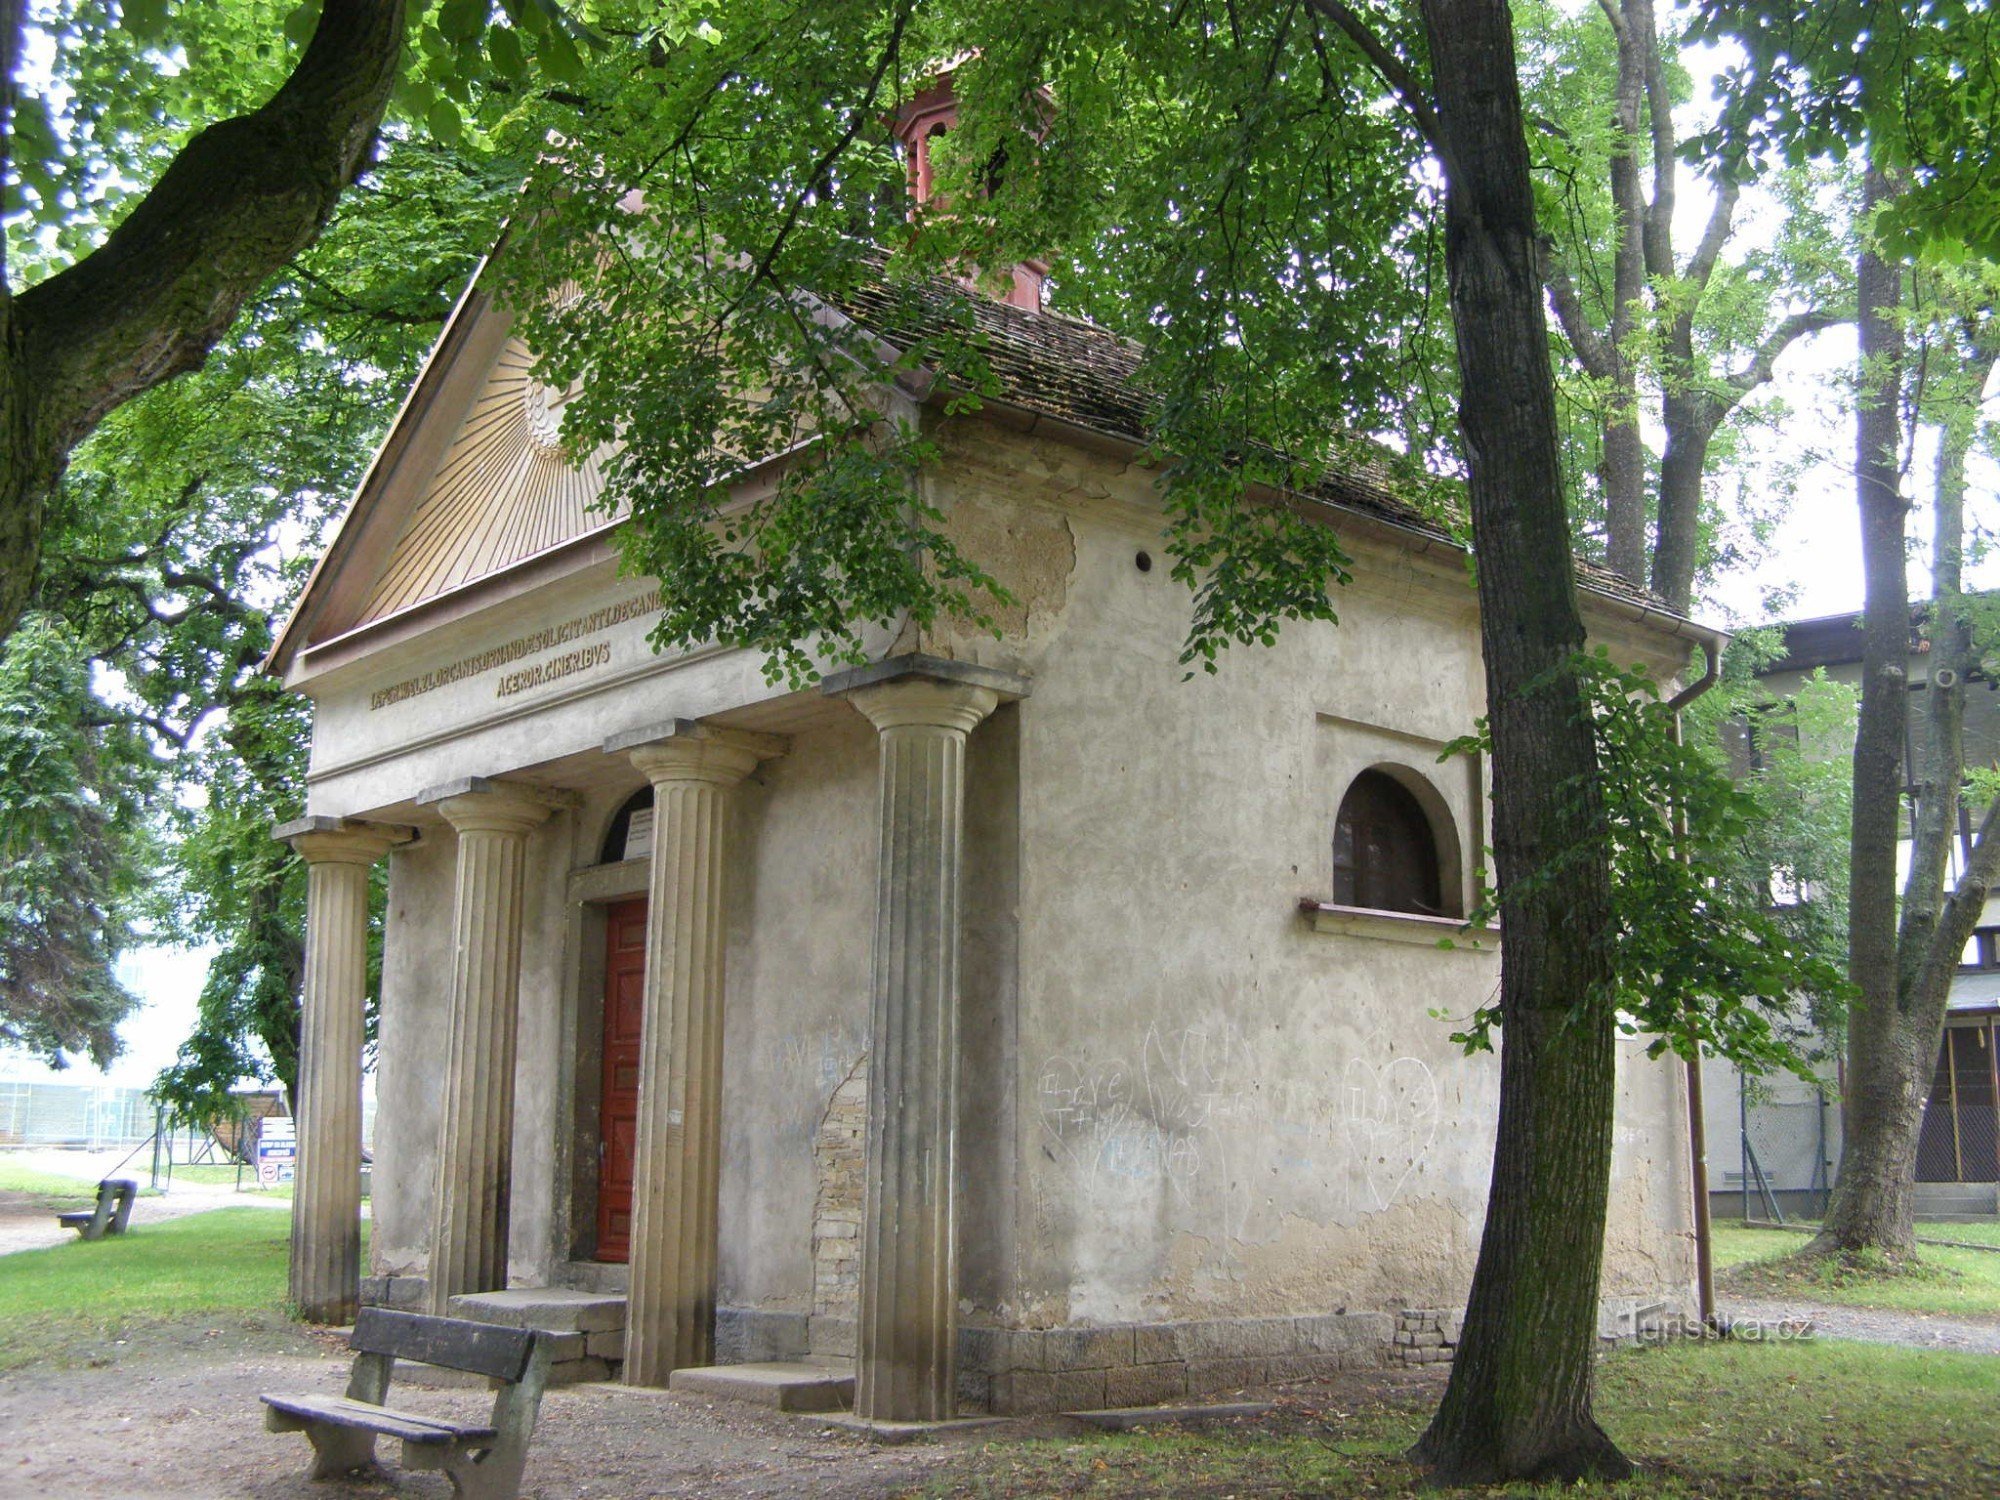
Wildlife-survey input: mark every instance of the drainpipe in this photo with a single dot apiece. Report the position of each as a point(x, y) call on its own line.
point(1704, 1254)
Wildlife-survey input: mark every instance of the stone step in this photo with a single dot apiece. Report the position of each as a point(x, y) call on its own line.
point(820, 1385)
point(555, 1308)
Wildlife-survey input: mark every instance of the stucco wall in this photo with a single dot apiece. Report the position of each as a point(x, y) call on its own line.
point(1221, 1111)
point(415, 1010)
point(802, 916)
point(1179, 1100)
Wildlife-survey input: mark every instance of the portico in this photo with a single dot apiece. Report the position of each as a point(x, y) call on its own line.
point(921, 711)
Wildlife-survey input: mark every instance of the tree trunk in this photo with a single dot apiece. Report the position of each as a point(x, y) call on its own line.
point(1623, 467)
point(238, 202)
point(1872, 1203)
point(1519, 1402)
point(1896, 1020)
point(1682, 465)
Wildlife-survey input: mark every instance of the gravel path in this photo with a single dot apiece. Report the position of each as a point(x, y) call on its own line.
point(1872, 1325)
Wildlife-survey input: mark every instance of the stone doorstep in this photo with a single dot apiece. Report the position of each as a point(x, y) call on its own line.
point(555, 1309)
point(787, 1385)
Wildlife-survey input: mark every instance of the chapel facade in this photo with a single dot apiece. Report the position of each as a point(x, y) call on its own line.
point(1017, 1019)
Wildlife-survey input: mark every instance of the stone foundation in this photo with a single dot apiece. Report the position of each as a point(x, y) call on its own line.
point(1005, 1371)
point(1018, 1372)
point(403, 1293)
point(1427, 1336)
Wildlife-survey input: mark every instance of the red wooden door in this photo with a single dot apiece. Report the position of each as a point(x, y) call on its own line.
point(618, 1099)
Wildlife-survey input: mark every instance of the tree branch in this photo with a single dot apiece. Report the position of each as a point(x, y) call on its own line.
point(1781, 338)
point(239, 201)
point(1596, 356)
point(1701, 266)
point(1968, 897)
point(1666, 160)
point(1400, 77)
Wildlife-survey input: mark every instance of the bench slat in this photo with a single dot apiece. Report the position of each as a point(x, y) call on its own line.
point(411, 1427)
point(482, 1348)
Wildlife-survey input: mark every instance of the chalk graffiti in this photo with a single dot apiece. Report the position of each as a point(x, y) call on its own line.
point(1390, 1115)
point(1364, 1127)
point(1159, 1121)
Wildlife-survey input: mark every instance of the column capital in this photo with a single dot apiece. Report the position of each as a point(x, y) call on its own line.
point(337, 841)
point(916, 666)
point(920, 690)
point(688, 750)
point(924, 702)
point(472, 804)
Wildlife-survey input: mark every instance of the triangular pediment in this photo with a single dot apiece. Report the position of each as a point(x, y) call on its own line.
point(504, 492)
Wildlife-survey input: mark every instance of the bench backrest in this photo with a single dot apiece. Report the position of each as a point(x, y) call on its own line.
point(481, 1348)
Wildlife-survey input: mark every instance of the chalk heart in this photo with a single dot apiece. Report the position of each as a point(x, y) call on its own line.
point(1392, 1118)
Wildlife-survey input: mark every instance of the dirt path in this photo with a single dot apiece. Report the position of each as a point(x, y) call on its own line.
point(173, 1411)
point(1872, 1325)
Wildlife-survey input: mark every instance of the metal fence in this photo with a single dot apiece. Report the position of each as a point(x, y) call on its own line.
point(84, 1116)
point(1780, 1160)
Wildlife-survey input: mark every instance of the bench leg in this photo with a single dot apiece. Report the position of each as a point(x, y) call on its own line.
point(339, 1450)
point(495, 1475)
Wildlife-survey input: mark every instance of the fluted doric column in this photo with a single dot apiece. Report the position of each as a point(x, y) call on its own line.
point(326, 1192)
point(923, 711)
point(476, 1134)
point(677, 1156)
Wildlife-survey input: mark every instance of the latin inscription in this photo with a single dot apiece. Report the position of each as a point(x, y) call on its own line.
point(594, 623)
point(553, 670)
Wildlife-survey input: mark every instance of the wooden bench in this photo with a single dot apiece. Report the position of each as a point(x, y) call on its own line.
point(484, 1462)
point(113, 1211)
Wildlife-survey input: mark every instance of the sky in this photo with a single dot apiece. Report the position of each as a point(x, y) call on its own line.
point(168, 982)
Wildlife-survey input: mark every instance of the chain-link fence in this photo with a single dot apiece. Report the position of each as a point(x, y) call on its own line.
point(1773, 1147)
point(1959, 1142)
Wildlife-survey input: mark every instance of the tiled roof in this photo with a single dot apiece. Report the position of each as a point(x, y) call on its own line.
point(1075, 371)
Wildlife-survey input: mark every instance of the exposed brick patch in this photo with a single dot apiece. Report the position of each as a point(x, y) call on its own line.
point(840, 1149)
point(1427, 1335)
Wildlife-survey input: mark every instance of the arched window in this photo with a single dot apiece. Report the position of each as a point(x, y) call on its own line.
point(1385, 851)
point(612, 850)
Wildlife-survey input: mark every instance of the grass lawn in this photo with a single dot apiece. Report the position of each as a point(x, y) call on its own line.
point(69, 1191)
point(218, 1265)
point(218, 1174)
point(1725, 1419)
point(1945, 1280)
point(15, 1178)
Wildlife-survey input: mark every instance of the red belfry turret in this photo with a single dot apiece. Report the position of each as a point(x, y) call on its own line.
point(919, 122)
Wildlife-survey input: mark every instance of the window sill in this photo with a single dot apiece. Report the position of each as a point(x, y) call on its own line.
point(1399, 926)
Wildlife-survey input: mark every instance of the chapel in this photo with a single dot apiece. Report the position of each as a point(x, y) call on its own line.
point(1004, 1025)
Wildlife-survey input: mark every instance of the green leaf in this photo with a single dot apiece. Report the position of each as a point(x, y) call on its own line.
point(300, 23)
point(445, 122)
point(462, 20)
point(146, 18)
point(558, 54)
point(503, 45)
